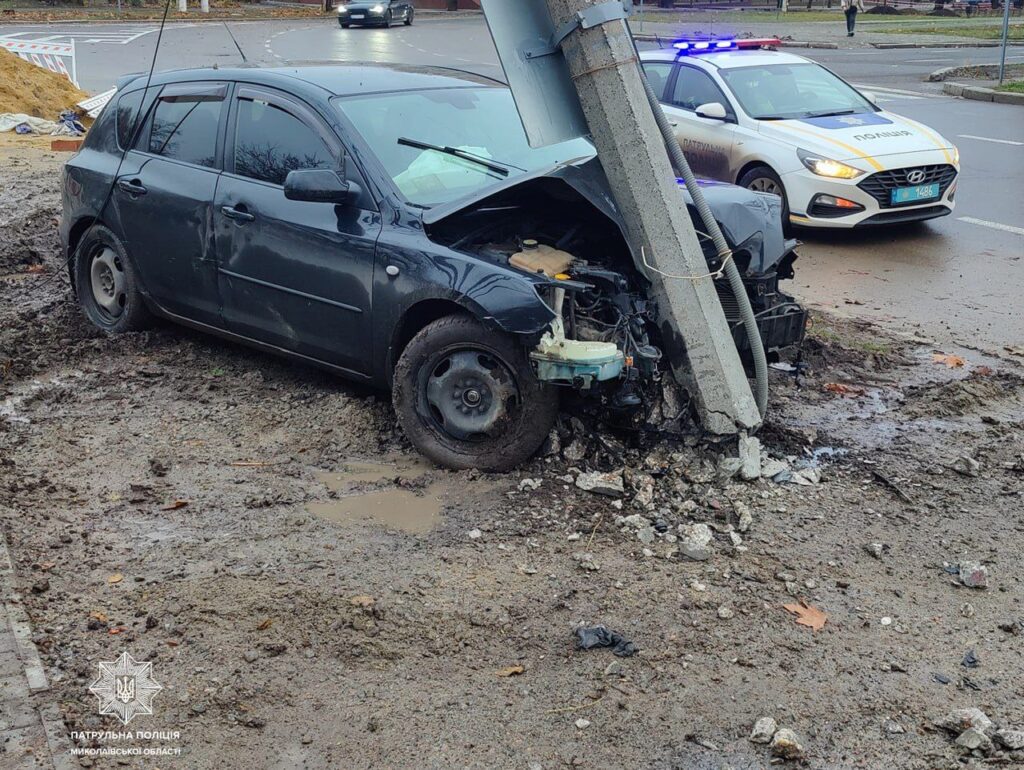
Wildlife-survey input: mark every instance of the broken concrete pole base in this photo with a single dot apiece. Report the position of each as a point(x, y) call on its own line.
point(695, 334)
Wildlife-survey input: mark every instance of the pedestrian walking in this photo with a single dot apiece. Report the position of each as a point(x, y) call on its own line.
point(850, 8)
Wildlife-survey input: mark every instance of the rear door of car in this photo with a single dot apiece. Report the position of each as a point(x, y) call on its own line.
point(294, 274)
point(164, 195)
point(706, 142)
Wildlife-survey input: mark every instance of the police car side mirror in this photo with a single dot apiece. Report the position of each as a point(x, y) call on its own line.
point(870, 97)
point(712, 110)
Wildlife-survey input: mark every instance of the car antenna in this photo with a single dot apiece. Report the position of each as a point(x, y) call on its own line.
point(132, 136)
point(233, 40)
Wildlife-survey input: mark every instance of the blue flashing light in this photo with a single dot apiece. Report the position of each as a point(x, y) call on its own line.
point(704, 46)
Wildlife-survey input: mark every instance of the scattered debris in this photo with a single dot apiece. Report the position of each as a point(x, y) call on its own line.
point(695, 541)
point(585, 561)
point(474, 534)
point(726, 612)
point(510, 671)
point(973, 738)
point(582, 724)
point(807, 615)
point(973, 575)
point(750, 458)
point(962, 719)
point(953, 362)
point(876, 549)
point(966, 466)
point(971, 659)
point(844, 390)
point(610, 484)
point(786, 744)
point(764, 730)
point(1010, 738)
point(588, 637)
point(175, 505)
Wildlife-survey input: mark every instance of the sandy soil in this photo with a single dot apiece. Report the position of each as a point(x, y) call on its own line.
point(185, 500)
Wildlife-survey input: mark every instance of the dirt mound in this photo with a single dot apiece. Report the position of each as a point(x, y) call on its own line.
point(974, 394)
point(26, 88)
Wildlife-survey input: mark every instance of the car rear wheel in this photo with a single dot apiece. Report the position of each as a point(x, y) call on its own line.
point(763, 179)
point(467, 397)
point(107, 284)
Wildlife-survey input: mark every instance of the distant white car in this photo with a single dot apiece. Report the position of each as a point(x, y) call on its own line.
point(779, 123)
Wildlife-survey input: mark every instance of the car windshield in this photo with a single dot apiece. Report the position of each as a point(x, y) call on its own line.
point(786, 91)
point(437, 127)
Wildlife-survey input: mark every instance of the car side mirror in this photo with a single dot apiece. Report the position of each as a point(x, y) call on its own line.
point(319, 185)
point(870, 97)
point(713, 111)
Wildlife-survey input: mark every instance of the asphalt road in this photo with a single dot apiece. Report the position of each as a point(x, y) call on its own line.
point(959, 278)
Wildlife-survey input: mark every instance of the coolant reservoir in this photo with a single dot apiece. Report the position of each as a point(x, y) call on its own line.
point(541, 258)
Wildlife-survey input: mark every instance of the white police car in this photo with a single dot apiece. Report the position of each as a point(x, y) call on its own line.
point(780, 123)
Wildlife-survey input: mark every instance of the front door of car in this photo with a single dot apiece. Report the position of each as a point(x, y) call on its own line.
point(294, 274)
point(163, 197)
point(706, 142)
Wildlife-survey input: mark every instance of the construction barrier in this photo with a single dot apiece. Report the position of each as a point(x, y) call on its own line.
point(56, 57)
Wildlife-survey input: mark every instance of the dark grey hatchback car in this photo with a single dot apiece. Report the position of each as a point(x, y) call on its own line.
point(393, 225)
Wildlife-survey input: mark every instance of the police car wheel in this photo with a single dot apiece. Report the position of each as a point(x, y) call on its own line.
point(763, 179)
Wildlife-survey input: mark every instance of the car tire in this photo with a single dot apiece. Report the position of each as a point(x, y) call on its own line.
point(467, 397)
point(389, 20)
point(408, 17)
point(763, 179)
point(345, 26)
point(107, 283)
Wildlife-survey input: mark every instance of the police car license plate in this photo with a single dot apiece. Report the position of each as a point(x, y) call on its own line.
point(920, 193)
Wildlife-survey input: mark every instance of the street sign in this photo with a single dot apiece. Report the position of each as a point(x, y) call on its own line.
point(528, 42)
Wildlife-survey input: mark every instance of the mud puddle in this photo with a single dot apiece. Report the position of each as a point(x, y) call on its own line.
point(409, 503)
point(401, 509)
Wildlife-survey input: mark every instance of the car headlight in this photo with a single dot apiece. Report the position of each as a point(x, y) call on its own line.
point(377, 9)
point(956, 156)
point(821, 166)
point(342, 9)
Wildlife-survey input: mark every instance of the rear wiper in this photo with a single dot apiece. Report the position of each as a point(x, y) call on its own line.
point(829, 114)
point(497, 169)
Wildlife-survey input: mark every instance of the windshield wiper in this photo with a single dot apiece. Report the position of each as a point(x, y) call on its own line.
point(829, 113)
point(490, 166)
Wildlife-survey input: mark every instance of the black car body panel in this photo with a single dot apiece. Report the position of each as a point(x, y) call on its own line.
point(340, 285)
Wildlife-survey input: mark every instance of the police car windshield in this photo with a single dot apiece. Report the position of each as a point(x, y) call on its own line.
point(440, 145)
point(792, 91)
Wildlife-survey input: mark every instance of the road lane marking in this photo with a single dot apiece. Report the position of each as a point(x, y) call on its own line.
point(993, 225)
point(989, 139)
point(900, 91)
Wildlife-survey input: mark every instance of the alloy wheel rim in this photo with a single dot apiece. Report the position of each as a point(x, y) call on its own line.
point(765, 185)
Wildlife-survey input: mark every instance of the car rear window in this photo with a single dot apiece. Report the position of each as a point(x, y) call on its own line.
point(184, 127)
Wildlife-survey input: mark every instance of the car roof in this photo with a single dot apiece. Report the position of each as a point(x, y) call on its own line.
point(725, 59)
point(336, 79)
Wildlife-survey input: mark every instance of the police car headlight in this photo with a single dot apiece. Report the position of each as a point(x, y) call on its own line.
point(816, 164)
point(956, 156)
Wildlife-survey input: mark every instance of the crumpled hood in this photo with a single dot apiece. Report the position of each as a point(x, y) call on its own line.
point(750, 221)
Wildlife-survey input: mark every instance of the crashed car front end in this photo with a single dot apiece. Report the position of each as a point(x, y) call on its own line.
point(561, 227)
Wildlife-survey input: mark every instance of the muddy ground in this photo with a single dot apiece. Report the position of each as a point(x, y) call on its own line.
point(185, 499)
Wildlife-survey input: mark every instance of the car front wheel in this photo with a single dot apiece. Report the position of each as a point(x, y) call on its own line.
point(763, 179)
point(467, 397)
point(408, 17)
point(107, 284)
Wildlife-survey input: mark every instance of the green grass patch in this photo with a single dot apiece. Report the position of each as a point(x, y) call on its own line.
point(987, 32)
point(1015, 87)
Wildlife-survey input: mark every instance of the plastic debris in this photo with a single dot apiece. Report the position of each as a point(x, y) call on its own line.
point(588, 637)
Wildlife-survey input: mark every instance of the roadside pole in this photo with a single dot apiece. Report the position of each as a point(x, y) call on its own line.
point(602, 62)
point(204, 6)
point(1006, 33)
point(182, 6)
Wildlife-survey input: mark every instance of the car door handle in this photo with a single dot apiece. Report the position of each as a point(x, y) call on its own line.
point(132, 186)
point(237, 215)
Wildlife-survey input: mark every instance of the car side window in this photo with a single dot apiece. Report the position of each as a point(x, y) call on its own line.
point(270, 142)
point(184, 125)
point(657, 75)
point(126, 115)
point(694, 88)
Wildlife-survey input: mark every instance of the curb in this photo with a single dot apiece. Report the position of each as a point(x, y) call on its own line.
point(979, 44)
point(989, 71)
point(982, 94)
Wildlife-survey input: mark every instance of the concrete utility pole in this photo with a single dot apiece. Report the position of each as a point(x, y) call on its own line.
point(204, 6)
point(602, 62)
point(182, 6)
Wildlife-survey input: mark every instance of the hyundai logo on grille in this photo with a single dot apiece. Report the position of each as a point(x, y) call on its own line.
point(916, 176)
